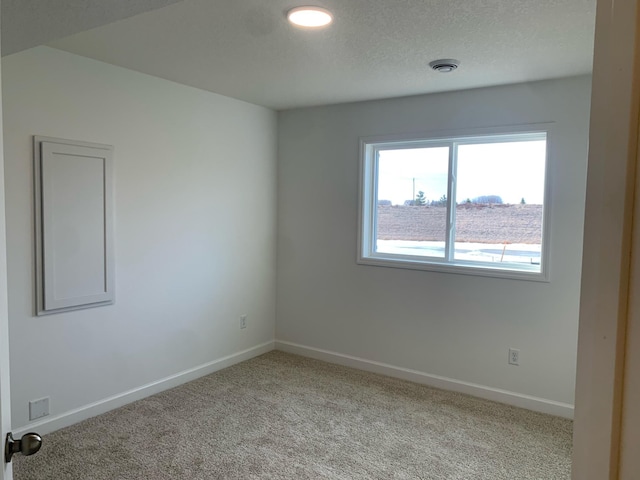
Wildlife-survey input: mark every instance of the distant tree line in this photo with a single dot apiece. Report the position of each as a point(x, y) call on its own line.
point(422, 201)
point(496, 199)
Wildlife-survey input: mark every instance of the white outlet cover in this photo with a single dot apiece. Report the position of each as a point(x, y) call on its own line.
point(514, 356)
point(38, 408)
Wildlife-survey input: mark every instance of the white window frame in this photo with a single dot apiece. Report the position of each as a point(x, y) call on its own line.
point(369, 149)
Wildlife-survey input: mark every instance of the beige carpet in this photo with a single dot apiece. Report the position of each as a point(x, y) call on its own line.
point(288, 417)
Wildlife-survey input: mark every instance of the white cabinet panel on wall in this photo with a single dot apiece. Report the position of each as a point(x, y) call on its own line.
point(74, 225)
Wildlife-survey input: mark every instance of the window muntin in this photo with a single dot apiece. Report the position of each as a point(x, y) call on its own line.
point(494, 227)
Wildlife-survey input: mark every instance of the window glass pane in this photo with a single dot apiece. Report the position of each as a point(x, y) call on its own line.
point(499, 202)
point(411, 201)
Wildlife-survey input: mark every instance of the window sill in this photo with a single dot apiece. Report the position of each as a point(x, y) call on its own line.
point(458, 268)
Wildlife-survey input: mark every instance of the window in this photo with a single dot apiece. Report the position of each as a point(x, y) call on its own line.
point(467, 204)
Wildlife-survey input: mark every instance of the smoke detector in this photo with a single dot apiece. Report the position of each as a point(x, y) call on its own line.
point(444, 65)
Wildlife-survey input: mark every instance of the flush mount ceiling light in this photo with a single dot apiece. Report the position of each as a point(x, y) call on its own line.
point(310, 17)
point(444, 65)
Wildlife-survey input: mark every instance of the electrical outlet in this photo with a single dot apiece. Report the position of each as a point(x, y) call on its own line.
point(38, 408)
point(243, 321)
point(514, 356)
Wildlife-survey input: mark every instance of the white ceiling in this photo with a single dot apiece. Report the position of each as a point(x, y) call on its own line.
point(374, 49)
point(27, 23)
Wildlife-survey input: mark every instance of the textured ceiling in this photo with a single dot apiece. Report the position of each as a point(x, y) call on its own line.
point(374, 49)
point(28, 23)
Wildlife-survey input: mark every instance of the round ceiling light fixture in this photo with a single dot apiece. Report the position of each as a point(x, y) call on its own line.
point(309, 17)
point(444, 65)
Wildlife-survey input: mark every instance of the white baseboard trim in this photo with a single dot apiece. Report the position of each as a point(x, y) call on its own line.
point(495, 394)
point(56, 422)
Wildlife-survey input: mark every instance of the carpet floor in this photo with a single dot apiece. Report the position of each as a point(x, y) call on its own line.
point(283, 416)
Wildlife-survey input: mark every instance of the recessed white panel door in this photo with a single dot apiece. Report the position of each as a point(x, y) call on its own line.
point(74, 256)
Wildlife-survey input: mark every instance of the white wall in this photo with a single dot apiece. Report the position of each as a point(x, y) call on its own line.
point(195, 203)
point(455, 326)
